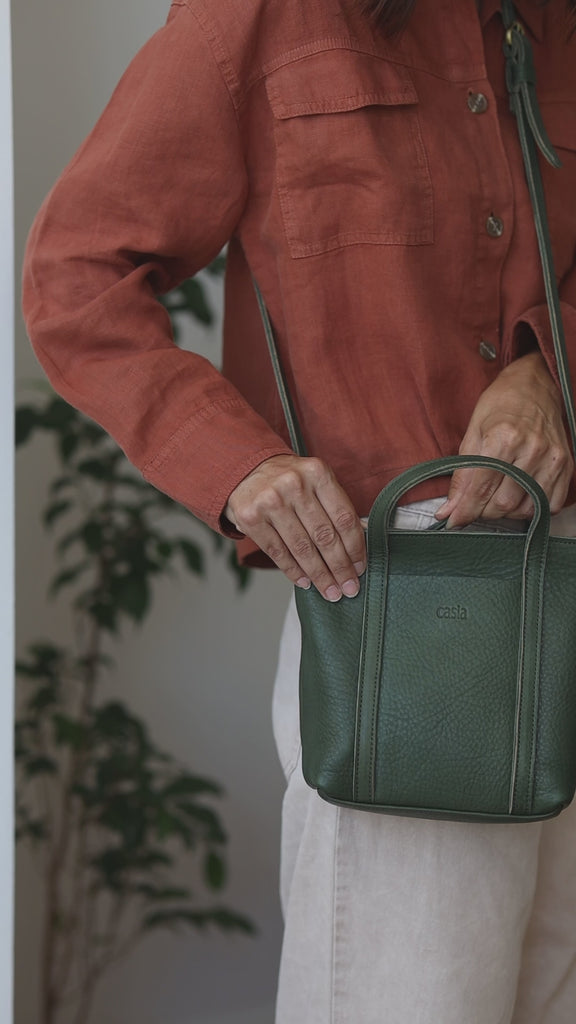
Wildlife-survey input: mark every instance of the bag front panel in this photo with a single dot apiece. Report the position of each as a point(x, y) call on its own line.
point(448, 693)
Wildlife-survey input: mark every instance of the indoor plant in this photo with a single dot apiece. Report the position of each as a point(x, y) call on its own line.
point(106, 810)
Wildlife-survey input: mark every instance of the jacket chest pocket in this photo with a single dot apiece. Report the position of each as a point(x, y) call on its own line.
point(351, 167)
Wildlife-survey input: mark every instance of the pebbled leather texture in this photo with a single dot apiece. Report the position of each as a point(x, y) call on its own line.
point(447, 687)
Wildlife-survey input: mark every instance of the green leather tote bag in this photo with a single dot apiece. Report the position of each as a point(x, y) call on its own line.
point(447, 688)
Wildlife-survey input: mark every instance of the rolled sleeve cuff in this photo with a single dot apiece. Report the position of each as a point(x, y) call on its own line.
point(208, 456)
point(534, 325)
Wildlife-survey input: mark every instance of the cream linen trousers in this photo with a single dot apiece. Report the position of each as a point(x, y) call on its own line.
point(393, 920)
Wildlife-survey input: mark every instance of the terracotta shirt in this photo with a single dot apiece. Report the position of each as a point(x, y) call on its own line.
point(375, 188)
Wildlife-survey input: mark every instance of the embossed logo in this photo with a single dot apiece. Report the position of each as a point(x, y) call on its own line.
point(456, 611)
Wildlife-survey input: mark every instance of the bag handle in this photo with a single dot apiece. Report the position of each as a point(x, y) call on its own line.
point(533, 566)
point(521, 82)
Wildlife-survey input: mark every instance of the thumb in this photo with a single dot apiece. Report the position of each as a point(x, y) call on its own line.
point(461, 478)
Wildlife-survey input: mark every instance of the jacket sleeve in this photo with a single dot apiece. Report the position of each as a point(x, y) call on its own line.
point(534, 324)
point(149, 198)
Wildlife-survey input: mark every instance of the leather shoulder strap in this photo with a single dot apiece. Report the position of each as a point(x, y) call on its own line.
point(521, 82)
point(296, 439)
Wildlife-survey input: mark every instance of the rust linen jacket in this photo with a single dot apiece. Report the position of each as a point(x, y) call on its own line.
point(375, 188)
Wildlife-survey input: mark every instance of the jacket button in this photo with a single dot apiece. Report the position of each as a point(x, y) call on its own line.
point(477, 102)
point(494, 226)
point(487, 350)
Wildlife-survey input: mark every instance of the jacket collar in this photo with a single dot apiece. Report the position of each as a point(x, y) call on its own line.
point(530, 13)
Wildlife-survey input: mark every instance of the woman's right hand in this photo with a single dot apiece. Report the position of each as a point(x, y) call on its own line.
point(295, 510)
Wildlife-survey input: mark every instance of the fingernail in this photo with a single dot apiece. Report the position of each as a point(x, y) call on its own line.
point(333, 594)
point(304, 583)
point(441, 511)
point(350, 588)
point(360, 567)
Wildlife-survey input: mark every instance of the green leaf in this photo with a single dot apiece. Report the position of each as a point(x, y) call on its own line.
point(123, 817)
point(92, 433)
point(59, 414)
point(119, 767)
point(45, 697)
point(21, 738)
point(130, 480)
point(104, 614)
point(116, 861)
point(193, 556)
point(164, 548)
point(67, 576)
point(59, 483)
point(221, 918)
point(132, 595)
point(97, 469)
point(68, 539)
point(218, 540)
point(243, 575)
point(229, 921)
point(91, 660)
point(27, 420)
point(34, 829)
point(68, 732)
point(191, 785)
point(34, 671)
point(58, 508)
point(214, 870)
point(67, 445)
point(157, 894)
point(207, 818)
point(92, 535)
point(46, 660)
point(41, 766)
point(115, 722)
point(167, 825)
point(195, 299)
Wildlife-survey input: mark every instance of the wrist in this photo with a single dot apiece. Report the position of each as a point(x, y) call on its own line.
point(531, 373)
point(531, 365)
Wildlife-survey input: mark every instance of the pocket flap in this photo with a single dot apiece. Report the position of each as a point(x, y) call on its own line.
point(337, 80)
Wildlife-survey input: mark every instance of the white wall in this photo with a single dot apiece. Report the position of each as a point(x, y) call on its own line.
point(202, 671)
point(6, 516)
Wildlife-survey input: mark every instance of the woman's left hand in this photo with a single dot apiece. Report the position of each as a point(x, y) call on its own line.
point(517, 419)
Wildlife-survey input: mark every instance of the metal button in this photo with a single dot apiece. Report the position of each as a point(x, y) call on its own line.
point(477, 102)
point(487, 350)
point(494, 226)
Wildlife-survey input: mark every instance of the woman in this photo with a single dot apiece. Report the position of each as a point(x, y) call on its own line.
point(372, 182)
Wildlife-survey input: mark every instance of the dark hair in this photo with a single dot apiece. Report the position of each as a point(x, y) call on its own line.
point(392, 15)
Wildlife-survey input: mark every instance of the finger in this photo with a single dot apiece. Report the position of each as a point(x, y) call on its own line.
point(552, 470)
point(472, 492)
point(506, 502)
point(315, 543)
point(343, 515)
point(559, 493)
point(271, 543)
point(554, 475)
point(525, 510)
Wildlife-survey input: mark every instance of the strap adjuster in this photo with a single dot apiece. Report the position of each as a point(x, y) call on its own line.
point(516, 26)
